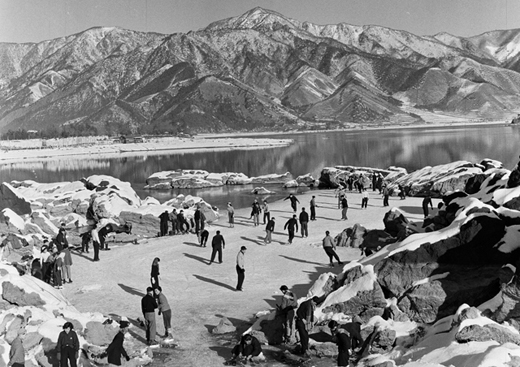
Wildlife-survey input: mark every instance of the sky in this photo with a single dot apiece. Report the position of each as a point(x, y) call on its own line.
point(38, 20)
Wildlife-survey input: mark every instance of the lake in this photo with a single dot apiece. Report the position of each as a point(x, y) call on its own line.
point(411, 148)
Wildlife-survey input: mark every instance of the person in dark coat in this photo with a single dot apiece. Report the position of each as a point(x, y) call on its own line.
point(148, 306)
point(116, 350)
point(305, 322)
point(342, 339)
point(291, 225)
point(294, 200)
point(200, 219)
point(427, 201)
point(402, 194)
point(269, 229)
point(184, 227)
point(204, 237)
point(61, 239)
point(58, 266)
point(255, 212)
point(154, 273)
point(386, 195)
point(304, 221)
point(344, 208)
point(354, 329)
point(164, 217)
point(68, 346)
point(313, 208)
point(286, 310)
point(175, 222)
point(249, 349)
point(217, 243)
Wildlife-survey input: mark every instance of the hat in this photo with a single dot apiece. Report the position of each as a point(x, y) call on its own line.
point(124, 324)
point(243, 248)
point(284, 288)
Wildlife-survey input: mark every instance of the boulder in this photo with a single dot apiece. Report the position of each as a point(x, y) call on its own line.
point(10, 198)
point(12, 331)
point(98, 333)
point(489, 332)
point(190, 182)
point(15, 295)
point(217, 179)
point(272, 178)
point(11, 222)
point(331, 177)
point(290, 184)
point(261, 191)
point(395, 222)
point(306, 180)
point(40, 218)
point(224, 326)
point(374, 240)
point(351, 237)
point(163, 178)
point(237, 179)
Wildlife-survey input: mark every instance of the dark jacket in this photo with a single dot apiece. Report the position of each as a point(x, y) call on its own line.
point(115, 349)
point(164, 217)
point(306, 311)
point(218, 241)
point(291, 224)
point(344, 203)
point(148, 304)
point(68, 340)
point(254, 349)
point(304, 217)
point(270, 226)
point(155, 271)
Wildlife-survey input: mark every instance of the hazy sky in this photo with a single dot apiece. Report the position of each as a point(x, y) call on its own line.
point(37, 20)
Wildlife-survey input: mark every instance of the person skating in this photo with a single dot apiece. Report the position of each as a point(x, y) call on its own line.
point(204, 238)
point(249, 349)
point(344, 207)
point(217, 243)
point(231, 215)
point(304, 221)
point(291, 225)
point(241, 268)
point(255, 212)
point(95, 243)
point(164, 218)
point(267, 214)
point(305, 322)
point(269, 229)
point(427, 201)
point(294, 202)
point(364, 199)
point(330, 248)
point(148, 306)
point(342, 339)
point(386, 195)
point(286, 310)
point(17, 351)
point(165, 310)
point(313, 208)
point(68, 346)
point(115, 350)
point(154, 273)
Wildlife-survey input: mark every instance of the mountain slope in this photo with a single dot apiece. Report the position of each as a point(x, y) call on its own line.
point(256, 71)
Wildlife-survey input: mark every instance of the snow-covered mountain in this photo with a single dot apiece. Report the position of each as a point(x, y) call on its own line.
point(257, 71)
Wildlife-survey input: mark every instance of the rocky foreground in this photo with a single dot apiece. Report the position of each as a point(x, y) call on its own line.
point(439, 292)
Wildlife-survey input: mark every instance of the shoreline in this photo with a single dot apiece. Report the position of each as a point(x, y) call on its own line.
point(200, 143)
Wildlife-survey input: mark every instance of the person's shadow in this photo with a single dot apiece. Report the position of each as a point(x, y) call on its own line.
point(198, 258)
point(213, 281)
point(131, 290)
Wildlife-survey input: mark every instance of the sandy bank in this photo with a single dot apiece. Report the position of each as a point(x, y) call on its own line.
point(152, 147)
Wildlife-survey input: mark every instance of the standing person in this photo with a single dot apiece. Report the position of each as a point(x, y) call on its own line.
point(116, 350)
point(290, 226)
point(85, 239)
point(204, 238)
point(267, 214)
point(95, 243)
point(304, 221)
point(164, 218)
point(342, 339)
point(67, 265)
point(164, 308)
point(313, 208)
point(154, 273)
point(402, 195)
point(386, 195)
point(184, 227)
point(380, 182)
point(44, 259)
point(61, 238)
point(217, 243)
point(175, 222)
point(294, 200)
point(199, 218)
point(58, 266)
point(231, 215)
point(17, 351)
point(330, 248)
point(287, 309)
point(344, 207)
point(427, 201)
point(374, 182)
point(148, 306)
point(305, 322)
point(255, 212)
point(68, 346)
point(269, 229)
point(364, 199)
point(241, 269)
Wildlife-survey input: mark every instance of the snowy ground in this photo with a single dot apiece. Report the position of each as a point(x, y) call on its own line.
point(200, 293)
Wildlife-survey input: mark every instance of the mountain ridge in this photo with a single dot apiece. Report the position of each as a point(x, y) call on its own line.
point(113, 80)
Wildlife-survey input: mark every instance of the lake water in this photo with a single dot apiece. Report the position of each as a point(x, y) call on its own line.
point(409, 148)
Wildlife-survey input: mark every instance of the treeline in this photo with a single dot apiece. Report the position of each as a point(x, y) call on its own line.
point(49, 133)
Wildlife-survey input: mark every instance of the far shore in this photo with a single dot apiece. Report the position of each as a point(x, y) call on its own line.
point(200, 142)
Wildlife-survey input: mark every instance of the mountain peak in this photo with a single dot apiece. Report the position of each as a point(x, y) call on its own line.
point(254, 19)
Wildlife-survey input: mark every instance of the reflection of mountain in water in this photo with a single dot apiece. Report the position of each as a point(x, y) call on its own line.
point(412, 149)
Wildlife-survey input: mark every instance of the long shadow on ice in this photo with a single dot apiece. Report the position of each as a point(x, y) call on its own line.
point(213, 281)
point(257, 242)
point(198, 258)
point(300, 260)
point(131, 290)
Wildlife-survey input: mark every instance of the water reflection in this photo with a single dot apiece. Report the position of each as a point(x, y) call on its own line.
point(411, 148)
